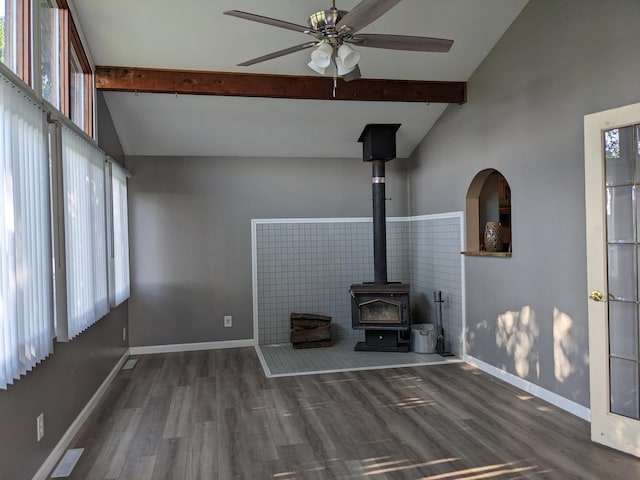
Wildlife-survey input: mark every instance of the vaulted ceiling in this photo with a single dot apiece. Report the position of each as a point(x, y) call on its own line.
point(194, 35)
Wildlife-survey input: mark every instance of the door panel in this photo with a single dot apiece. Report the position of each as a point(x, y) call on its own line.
point(622, 272)
point(612, 180)
point(623, 330)
point(620, 203)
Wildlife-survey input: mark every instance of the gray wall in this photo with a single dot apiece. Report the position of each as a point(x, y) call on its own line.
point(59, 387)
point(107, 136)
point(191, 233)
point(556, 63)
point(62, 384)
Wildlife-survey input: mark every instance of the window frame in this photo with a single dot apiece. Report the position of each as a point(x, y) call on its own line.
point(26, 20)
point(58, 47)
point(20, 13)
point(77, 52)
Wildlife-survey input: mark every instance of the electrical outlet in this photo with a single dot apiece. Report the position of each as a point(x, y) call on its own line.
point(40, 426)
point(228, 321)
point(124, 334)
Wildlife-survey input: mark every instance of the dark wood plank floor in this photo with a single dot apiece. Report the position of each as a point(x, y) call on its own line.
point(213, 415)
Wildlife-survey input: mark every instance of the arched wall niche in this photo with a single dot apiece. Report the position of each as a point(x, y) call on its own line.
point(488, 199)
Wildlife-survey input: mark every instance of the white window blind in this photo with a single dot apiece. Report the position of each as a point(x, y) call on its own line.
point(119, 255)
point(26, 311)
point(85, 232)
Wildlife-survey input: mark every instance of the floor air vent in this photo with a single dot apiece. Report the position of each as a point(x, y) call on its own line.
point(67, 463)
point(130, 364)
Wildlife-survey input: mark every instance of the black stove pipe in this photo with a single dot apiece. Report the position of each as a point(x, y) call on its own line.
point(378, 147)
point(379, 223)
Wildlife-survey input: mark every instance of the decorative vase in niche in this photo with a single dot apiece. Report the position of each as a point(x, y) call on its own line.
point(493, 237)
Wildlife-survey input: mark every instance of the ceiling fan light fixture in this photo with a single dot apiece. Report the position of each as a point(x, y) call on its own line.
point(342, 68)
point(321, 56)
point(348, 56)
point(316, 68)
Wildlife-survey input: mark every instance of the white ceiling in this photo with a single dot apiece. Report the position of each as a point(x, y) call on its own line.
point(195, 35)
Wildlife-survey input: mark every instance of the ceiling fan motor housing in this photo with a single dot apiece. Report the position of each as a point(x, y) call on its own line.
point(325, 21)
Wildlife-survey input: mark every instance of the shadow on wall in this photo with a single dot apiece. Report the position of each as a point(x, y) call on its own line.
point(421, 309)
point(512, 343)
point(568, 360)
point(514, 336)
point(517, 338)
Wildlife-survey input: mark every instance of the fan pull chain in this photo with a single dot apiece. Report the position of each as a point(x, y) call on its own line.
point(335, 72)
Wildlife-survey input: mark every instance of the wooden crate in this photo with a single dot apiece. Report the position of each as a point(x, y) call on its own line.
point(310, 330)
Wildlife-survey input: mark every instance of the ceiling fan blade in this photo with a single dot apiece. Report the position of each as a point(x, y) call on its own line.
point(269, 21)
point(352, 75)
point(365, 13)
point(402, 42)
point(277, 54)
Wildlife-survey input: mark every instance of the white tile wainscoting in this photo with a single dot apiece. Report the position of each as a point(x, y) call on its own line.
point(307, 266)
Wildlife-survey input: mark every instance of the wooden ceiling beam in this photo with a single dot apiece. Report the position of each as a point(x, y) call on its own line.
point(126, 79)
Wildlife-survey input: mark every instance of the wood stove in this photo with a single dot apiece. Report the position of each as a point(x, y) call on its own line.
point(381, 308)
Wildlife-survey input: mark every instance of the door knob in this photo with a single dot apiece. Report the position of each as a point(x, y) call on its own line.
point(596, 296)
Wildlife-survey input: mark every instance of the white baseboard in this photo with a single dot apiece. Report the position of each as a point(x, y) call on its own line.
point(263, 362)
point(535, 390)
point(59, 450)
point(191, 347)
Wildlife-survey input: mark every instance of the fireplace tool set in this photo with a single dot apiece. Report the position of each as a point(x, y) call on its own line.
point(440, 343)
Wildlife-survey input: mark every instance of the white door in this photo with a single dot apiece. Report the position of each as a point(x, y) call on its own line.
point(612, 184)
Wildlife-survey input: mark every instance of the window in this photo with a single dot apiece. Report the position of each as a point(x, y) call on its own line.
point(119, 251)
point(50, 49)
point(80, 84)
point(14, 37)
point(9, 34)
point(64, 75)
point(76, 90)
point(85, 234)
point(26, 312)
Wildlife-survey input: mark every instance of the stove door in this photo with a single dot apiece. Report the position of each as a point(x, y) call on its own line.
point(380, 311)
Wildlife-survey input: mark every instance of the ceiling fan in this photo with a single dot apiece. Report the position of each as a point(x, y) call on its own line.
point(336, 30)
